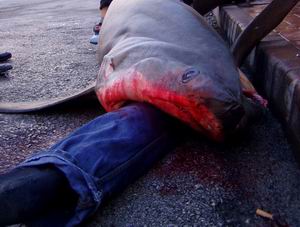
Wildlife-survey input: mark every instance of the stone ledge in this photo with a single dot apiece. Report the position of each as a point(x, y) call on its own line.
point(275, 62)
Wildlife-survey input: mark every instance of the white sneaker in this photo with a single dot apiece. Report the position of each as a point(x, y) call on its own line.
point(95, 38)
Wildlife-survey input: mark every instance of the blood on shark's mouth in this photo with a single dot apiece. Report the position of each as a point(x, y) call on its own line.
point(181, 106)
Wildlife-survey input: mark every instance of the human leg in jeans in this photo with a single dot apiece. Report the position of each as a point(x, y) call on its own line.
point(97, 160)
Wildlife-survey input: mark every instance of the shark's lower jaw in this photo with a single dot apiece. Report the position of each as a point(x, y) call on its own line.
point(194, 114)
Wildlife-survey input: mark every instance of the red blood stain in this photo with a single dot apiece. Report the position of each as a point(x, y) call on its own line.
point(167, 190)
point(185, 106)
point(207, 168)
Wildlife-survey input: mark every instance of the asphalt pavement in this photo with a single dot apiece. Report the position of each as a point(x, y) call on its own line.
point(200, 183)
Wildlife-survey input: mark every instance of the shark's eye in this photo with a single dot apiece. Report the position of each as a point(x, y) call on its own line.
point(189, 74)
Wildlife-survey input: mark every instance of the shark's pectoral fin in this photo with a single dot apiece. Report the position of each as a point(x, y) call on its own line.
point(27, 107)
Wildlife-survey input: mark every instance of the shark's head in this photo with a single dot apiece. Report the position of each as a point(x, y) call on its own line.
point(198, 97)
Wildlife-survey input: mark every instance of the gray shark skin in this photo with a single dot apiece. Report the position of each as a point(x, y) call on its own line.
point(188, 70)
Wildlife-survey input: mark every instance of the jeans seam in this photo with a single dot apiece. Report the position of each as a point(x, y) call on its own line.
point(97, 198)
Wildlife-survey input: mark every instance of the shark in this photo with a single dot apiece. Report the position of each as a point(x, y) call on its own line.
point(164, 53)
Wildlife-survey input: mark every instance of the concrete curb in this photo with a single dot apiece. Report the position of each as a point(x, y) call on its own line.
point(276, 66)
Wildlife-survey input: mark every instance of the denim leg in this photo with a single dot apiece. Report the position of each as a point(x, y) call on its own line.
point(106, 154)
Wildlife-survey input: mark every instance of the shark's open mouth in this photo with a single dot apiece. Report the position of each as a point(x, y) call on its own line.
point(188, 110)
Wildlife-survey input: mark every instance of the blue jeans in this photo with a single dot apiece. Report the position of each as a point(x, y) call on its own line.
point(105, 155)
